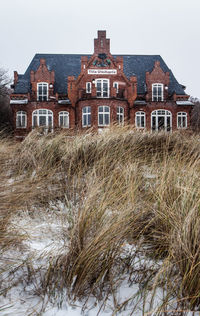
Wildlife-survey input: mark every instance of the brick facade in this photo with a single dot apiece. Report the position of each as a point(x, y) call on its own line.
point(108, 86)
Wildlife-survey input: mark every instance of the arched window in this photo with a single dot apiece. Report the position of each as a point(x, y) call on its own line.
point(102, 86)
point(181, 120)
point(21, 119)
point(157, 92)
point(64, 119)
point(42, 117)
point(86, 116)
point(161, 120)
point(120, 115)
point(103, 115)
point(42, 91)
point(140, 119)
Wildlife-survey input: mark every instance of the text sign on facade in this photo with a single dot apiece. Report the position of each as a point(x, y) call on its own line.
point(102, 71)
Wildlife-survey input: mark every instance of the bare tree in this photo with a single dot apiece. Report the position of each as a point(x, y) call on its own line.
point(195, 120)
point(5, 110)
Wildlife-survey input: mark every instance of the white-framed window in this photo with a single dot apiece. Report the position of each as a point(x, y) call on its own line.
point(42, 117)
point(102, 87)
point(21, 119)
point(140, 119)
point(86, 116)
point(161, 120)
point(103, 115)
point(157, 92)
point(42, 91)
point(63, 119)
point(120, 115)
point(116, 86)
point(181, 120)
point(88, 87)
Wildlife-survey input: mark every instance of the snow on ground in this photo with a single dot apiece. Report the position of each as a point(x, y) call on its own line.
point(45, 235)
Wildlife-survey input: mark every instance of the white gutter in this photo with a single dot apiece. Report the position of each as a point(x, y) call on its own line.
point(184, 103)
point(64, 101)
point(24, 101)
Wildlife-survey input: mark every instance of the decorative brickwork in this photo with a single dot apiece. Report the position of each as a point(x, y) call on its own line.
point(104, 91)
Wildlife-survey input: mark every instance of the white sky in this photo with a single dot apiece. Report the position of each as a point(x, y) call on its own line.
point(169, 28)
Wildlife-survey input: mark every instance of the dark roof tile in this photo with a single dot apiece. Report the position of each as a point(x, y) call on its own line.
point(66, 65)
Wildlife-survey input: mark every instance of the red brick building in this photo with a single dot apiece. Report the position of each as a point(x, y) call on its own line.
point(94, 91)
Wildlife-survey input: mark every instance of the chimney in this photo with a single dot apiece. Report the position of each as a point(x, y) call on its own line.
point(15, 77)
point(102, 44)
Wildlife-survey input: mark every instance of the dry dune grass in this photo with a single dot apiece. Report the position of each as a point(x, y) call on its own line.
point(122, 188)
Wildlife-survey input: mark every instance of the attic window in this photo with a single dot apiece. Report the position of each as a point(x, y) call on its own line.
point(42, 91)
point(157, 92)
point(88, 87)
point(116, 86)
point(102, 86)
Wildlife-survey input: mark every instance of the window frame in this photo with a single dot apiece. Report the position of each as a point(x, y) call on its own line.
point(116, 86)
point(45, 97)
point(156, 97)
point(102, 90)
point(104, 113)
point(37, 114)
point(120, 115)
point(161, 113)
point(88, 84)
point(86, 114)
point(63, 114)
point(21, 114)
point(140, 114)
point(181, 115)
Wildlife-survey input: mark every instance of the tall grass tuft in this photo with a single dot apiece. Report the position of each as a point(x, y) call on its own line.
point(131, 197)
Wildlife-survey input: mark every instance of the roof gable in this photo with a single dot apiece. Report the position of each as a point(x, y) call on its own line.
point(66, 65)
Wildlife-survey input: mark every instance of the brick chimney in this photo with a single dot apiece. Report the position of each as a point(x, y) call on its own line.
point(102, 44)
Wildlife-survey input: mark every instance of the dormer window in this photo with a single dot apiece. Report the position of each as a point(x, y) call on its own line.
point(102, 86)
point(157, 92)
point(88, 87)
point(42, 91)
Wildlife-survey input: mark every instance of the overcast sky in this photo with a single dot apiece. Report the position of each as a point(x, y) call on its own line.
point(169, 28)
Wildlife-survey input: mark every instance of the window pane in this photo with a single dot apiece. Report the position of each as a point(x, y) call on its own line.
point(101, 119)
point(84, 120)
point(142, 121)
point(183, 121)
point(153, 123)
point(106, 109)
point(34, 121)
point(45, 90)
point(40, 89)
point(23, 121)
point(66, 119)
point(61, 120)
point(50, 121)
point(89, 120)
point(42, 120)
point(168, 124)
point(18, 121)
point(138, 121)
point(107, 121)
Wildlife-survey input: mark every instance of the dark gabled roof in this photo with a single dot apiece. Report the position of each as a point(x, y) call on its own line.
point(66, 65)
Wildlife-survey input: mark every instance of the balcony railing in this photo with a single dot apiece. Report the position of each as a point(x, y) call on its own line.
point(84, 95)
